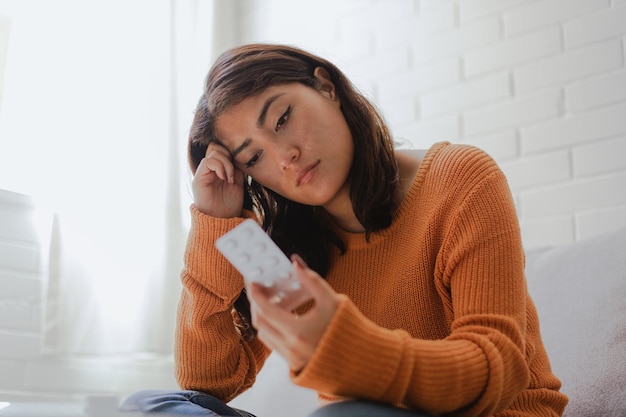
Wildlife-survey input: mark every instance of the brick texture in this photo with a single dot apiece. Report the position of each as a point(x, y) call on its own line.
point(540, 85)
point(26, 370)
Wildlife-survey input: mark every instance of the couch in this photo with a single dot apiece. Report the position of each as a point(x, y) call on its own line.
point(580, 293)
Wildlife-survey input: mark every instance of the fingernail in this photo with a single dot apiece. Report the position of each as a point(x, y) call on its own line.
point(298, 260)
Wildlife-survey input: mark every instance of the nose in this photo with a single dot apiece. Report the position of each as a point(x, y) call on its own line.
point(287, 156)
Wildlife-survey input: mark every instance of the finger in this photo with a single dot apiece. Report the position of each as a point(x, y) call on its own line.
point(219, 163)
point(238, 175)
point(216, 147)
point(275, 341)
point(267, 328)
point(315, 285)
point(281, 320)
point(222, 167)
point(222, 154)
point(203, 170)
point(258, 295)
point(263, 328)
point(282, 337)
point(253, 296)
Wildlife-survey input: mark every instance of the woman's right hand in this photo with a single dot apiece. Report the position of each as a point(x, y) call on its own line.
point(218, 184)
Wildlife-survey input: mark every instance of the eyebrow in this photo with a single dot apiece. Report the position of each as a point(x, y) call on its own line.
point(240, 148)
point(261, 120)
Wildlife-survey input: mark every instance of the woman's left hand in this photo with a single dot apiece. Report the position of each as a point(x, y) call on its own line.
point(294, 337)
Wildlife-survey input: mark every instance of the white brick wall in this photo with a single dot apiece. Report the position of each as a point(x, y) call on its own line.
point(539, 84)
point(465, 95)
point(470, 9)
point(25, 371)
point(514, 112)
point(607, 24)
point(611, 152)
point(509, 52)
point(5, 28)
point(568, 66)
point(22, 257)
point(453, 43)
point(534, 15)
point(576, 128)
point(596, 91)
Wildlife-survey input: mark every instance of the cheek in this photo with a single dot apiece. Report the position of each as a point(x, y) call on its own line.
point(271, 181)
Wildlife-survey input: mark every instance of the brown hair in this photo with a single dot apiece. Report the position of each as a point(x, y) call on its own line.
point(248, 70)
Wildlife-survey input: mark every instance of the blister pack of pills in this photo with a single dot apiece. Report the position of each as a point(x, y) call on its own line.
point(255, 255)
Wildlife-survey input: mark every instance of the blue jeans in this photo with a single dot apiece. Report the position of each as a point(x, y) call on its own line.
point(194, 403)
point(355, 408)
point(180, 403)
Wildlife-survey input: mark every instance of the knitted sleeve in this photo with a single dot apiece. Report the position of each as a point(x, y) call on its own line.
point(211, 355)
point(480, 367)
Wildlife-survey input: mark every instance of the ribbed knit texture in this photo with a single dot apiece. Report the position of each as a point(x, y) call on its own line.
point(434, 313)
point(211, 355)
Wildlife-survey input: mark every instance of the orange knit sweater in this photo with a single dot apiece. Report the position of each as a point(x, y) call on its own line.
point(434, 315)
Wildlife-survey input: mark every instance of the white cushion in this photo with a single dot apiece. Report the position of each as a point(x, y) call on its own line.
point(580, 293)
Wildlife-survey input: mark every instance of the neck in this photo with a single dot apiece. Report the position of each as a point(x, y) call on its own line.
point(342, 214)
point(348, 223)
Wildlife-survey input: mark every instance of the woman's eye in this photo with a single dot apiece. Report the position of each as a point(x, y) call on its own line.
point(283, 119)
point(252, 161)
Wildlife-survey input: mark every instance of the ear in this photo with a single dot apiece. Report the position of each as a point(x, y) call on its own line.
point(327, 88)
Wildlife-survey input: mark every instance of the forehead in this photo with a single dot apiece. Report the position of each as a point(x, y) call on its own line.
point(257, 99)
point(247, 113)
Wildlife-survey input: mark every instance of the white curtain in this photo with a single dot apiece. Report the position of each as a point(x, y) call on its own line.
point(98, 99)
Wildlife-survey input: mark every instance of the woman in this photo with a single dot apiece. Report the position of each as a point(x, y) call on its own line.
point(413, 258)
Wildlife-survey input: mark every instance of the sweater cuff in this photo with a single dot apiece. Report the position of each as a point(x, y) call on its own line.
point(357, 358)
point(350, 341)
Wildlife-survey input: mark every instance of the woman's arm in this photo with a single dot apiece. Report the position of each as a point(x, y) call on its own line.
point(481, 367)
point(211, 354)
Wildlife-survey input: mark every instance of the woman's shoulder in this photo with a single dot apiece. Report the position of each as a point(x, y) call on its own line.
point(462, 162)
point(445, 158)
point(446, 171)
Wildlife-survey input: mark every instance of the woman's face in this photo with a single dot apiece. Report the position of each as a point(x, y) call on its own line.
point(292, 139)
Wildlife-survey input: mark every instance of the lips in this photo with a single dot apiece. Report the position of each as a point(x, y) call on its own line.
point(305, 174)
